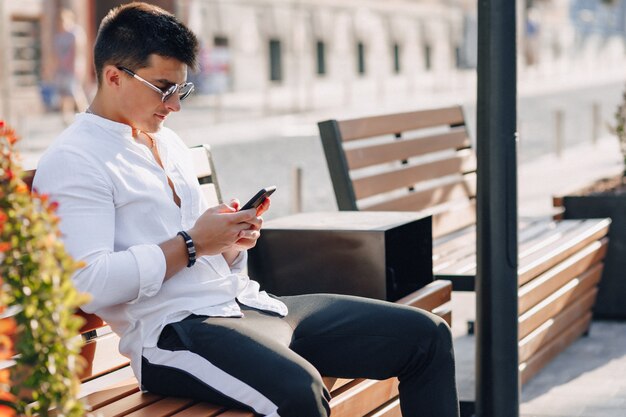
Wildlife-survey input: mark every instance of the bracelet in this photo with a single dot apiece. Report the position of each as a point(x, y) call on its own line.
point(191, 249)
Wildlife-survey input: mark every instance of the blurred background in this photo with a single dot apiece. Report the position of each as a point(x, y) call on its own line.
point(271, 69)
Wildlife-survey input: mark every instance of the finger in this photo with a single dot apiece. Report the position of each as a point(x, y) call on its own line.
point(249, 234)
point(225, 208)
point(255, 223)
point(234, 203)
point(246, 215)
point(265, 205)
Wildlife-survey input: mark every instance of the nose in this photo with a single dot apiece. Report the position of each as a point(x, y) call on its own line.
point(173, 103)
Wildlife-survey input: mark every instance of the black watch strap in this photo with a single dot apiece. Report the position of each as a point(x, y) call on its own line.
point(191, 249)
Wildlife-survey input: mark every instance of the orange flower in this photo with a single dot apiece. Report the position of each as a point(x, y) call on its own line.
point(21, 188)
point(5, 410)
point(4, 246)
point(5, 376)
point(7, 326)
point(6, 347)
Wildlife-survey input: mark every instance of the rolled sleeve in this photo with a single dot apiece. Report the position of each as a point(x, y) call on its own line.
point(151, 266)
point(240, 263)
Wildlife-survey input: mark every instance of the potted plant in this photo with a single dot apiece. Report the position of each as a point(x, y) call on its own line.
point(606, 198)
point(37, 300)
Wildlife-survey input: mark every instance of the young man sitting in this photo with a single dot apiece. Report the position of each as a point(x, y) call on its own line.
point(166, 271)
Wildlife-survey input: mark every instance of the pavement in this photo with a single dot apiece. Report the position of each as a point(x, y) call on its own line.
point(282, 148)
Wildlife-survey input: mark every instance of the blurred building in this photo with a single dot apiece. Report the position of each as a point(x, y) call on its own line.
point(309, 53)
point(260, 45)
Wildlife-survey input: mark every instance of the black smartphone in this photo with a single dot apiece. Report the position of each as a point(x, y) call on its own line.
point(259, 197)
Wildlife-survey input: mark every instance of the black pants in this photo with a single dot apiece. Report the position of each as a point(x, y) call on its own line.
point(272, 365)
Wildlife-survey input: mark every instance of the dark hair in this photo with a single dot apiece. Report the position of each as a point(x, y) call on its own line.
point(130, 33)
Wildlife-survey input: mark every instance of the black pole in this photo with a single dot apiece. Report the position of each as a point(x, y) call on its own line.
point(497, 373)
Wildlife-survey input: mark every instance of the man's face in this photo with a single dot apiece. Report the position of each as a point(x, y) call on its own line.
point(140, 106)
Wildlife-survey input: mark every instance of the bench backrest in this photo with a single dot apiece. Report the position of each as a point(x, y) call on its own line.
point(417, 161)
point(101, 348)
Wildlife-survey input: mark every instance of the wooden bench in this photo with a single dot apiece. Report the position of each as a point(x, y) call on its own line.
point(110, 389)
point(422, 161)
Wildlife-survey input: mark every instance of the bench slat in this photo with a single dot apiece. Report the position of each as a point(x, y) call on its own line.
point(554, 327)
point(549, 352)
point(200, 410)
point(364, 397)
point(102, 356)
point(127, 404)
point(558, 301)
point(92, 322)
point(399, 150)
point(460, 189)
point(461, 244)
point(559, 242)
point(538, 264)
point(163, 408)
point(403, 176)
point(401, 122)
point(446, 220)
point(236, 413)
point(541, 287)
point(532, 239)
point(391, 409)
point(431, 296)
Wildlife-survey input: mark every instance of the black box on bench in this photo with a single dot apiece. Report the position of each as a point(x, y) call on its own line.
point(384, 255)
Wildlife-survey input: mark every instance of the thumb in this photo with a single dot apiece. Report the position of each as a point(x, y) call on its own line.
point(234, 203)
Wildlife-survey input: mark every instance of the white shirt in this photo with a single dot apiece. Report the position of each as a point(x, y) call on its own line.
point(115, 207)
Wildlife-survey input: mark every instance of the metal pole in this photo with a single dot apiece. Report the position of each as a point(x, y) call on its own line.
point(497, 372)
point(296, 185)
point(558, 133)
point(596, 121)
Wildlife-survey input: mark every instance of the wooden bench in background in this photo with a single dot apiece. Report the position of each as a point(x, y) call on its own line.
point(110, 389)
point(422, 161)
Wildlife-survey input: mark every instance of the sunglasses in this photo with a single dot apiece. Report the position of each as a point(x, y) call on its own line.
point(183, 89)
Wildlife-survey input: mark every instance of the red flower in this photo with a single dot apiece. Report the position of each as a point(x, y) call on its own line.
point(4, 246)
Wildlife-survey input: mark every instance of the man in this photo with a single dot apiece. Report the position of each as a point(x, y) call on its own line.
point(166, 272)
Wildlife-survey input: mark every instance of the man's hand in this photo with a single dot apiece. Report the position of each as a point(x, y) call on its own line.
point(248, 238)
point(223, 228)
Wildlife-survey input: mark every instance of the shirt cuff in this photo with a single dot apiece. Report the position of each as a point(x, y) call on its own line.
point(240, 263)
point(151, 266)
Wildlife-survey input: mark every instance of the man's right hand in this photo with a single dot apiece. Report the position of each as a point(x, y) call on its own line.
point(219, 228)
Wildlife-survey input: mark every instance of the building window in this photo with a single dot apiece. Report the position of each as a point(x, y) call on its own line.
point(220, 40)
point(428, 57)
point(321, 57)
point(396, 59)
point(360, 58)
point(26, 54)
point(276, 68)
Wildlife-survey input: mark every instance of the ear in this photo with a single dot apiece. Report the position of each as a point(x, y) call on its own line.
point(111, 76)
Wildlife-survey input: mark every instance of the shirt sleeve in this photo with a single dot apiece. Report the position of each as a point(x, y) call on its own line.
point(240, 263)
point(87, 221)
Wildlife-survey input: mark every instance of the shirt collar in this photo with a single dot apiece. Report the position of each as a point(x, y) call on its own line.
point(107, 124)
